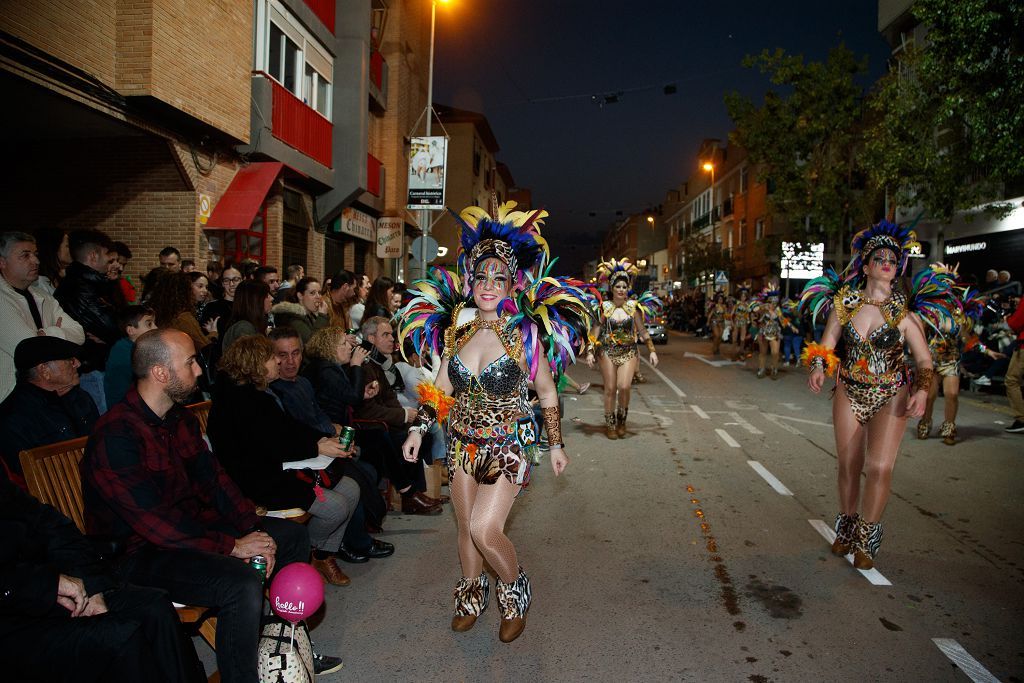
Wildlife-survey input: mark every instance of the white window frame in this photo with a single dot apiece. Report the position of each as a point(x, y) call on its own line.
point(311, 53)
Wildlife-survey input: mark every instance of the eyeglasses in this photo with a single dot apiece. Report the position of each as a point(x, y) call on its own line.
point(231, 280)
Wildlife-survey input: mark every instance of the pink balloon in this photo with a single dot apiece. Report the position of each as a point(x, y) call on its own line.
point(296, 592)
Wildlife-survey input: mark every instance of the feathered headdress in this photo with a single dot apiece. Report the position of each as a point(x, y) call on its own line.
point(817, 297)
point(610, 272)
point(512, 236)
point(883, 235)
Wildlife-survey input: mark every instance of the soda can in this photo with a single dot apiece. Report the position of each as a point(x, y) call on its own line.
point(259, 563)
point(346, 437)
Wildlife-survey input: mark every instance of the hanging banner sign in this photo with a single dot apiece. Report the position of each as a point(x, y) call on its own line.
point(356, 223)
point(428, 158)
point(390, 231)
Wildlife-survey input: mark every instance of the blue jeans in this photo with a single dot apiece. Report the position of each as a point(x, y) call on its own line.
point(92, 383)
point(791, 345)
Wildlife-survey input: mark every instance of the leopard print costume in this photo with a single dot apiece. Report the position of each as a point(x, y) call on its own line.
point(492, 431)
point(618, 338)
point(874, 368)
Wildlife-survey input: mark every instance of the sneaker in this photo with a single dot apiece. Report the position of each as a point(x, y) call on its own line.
point(325, 664)
point(1016, 428)
point(983, 381)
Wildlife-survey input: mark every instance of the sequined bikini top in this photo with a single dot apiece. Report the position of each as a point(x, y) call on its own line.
point(501, 377)
point(881, 351)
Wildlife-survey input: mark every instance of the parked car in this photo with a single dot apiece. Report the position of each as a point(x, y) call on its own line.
point(657, 331)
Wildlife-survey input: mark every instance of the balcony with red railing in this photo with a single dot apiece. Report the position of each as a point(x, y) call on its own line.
point(374, 176)
point(324, 10)
point(299, 125)
point(378, 82)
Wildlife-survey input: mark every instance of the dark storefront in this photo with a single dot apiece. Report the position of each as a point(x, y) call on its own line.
point(991, 251)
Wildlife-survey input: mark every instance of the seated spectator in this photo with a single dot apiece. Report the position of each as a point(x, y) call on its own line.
point(54, 258)
point(304, 310)
point(293, 274)
point(124, 288)
point(135, 321)
point(253, 437)
point(248, 313)
point(86, 294)
point(270, 277)
point(298, 398)
point(378, 301)
point(335, 369)
point(174, 302)
point(64, 616)
point(385, 409)
point(25, 308)
point(47, 405)
point(149, 478)
point(170, 259)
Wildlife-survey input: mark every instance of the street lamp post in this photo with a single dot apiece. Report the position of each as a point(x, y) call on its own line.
point(710, 167)
point(425, 214)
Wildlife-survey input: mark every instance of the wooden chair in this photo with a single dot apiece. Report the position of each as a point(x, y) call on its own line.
point(202, 412)
point(52, 476)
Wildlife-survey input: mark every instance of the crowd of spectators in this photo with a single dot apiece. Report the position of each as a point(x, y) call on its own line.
point(86, 352)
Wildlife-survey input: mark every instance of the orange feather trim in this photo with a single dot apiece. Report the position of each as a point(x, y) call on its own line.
point(812, 351)
point(431, 395)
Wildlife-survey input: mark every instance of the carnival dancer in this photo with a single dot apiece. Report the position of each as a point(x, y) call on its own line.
point(946, 345)
point(614, 339)
point(769, 331)
point(740, 315)
point(510, 323)
point(716, 320)
point(870, 410)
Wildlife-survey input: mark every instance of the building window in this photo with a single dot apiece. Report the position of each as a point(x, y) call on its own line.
point(289, 54)
point(744, 179)
point(742, 232)
point(759, 229)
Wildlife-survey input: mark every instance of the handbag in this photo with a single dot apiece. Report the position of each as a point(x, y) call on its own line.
point(280, 659)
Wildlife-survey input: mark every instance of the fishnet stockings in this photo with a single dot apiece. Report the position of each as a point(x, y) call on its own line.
point(481, 511)
point(870, 449)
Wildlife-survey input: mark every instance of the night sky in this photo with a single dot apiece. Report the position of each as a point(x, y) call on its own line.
point(533, 68)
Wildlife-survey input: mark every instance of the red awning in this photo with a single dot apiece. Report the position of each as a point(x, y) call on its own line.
point(240, 202)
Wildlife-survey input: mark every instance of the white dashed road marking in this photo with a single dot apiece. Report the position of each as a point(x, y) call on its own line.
point(661, 375)
point(871, 575)
point(726, 438)
point(968, 664)
point(700, 413)
point(770, 478)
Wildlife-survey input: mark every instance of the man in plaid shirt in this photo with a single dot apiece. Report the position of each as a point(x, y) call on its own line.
point(148, 477)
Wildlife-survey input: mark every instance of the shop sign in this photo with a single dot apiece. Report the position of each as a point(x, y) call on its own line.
point(356, 223)
point(390, 231)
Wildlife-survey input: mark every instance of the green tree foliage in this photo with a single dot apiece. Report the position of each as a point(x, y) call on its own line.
point(704, 258)
point(806, 138)
point(950, 114)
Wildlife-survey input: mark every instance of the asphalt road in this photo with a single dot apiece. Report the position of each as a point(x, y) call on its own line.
point(691, 551)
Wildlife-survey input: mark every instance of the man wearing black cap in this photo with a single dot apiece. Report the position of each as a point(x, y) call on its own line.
point(47, 405)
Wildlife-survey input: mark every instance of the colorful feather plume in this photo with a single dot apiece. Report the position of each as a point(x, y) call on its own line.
point(882, 235)
point(935, 300)
point(819, 293)
point(526, 252)
point(427, 311)
point(610, 271)
point(650, 306)
point(553, 316)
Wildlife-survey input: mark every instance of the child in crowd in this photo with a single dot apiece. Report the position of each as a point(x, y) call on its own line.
point(134, 320)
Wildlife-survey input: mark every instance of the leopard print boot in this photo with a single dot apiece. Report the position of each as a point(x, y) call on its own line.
point(866, 542)
point(609, 426)
point(948, 433)
point(471, 598)
point(620, 422)
point(514, 599)
point(845, 527)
